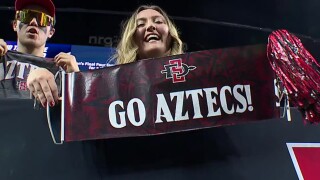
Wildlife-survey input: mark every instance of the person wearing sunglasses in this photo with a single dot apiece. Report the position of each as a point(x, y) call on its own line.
point(34, 24)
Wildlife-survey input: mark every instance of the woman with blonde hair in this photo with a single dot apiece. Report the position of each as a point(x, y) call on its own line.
point(148, 33)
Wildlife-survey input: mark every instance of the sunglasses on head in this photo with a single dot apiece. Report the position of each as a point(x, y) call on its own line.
point(26, 16)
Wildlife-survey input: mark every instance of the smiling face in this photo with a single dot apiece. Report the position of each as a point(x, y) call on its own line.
point(31, 35)
point(152, 34)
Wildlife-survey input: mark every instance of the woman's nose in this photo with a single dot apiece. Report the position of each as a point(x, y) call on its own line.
point(151, 27)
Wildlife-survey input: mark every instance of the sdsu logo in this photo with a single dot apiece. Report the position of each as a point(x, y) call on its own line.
point(22, 86)
point(176, 70)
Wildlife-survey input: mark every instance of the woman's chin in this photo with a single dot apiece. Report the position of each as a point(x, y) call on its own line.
point(155, 53)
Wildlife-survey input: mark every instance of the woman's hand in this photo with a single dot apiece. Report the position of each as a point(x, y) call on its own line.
point(67, 61)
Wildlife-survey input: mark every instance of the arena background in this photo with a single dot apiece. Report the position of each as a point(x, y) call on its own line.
point(99, 22)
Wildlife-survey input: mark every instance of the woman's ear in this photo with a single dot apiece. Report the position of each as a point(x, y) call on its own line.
point(14, 25)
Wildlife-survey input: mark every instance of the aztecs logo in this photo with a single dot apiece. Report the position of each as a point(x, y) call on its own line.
point(176, 70)
point(306, 159)
point(22, 86)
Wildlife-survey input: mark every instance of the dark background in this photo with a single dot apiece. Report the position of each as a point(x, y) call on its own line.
point(77, 20)
point(249, 151)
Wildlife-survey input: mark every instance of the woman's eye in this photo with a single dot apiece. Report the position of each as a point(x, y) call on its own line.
point(158, 21)
point(140, 25)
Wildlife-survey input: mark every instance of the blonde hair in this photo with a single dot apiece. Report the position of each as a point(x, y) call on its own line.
point(127, 50)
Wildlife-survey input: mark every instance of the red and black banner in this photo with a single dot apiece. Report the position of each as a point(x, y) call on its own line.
point(170, 94)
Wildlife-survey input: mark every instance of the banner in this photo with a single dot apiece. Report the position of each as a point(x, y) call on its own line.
point(88, 57)
point(14, 70)
point(170, 94)
point(50, 50)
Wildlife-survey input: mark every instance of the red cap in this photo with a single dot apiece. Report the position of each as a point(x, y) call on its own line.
point(46, 4)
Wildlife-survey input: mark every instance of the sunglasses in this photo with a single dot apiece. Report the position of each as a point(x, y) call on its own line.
point(26, 16)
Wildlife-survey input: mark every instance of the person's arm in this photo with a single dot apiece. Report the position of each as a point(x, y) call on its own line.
point(41, 81)
point(3, 47)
